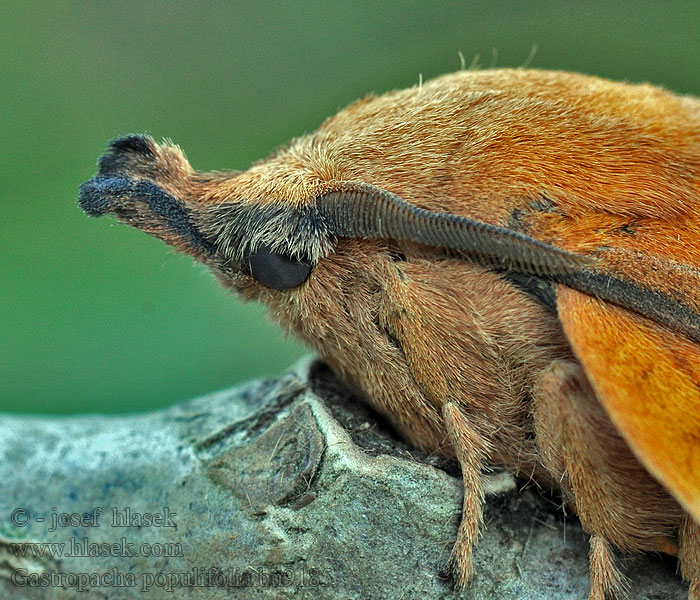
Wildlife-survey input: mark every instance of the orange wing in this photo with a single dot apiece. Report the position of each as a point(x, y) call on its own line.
point(648, 379)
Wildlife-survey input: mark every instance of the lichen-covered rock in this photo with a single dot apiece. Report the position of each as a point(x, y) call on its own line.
point(285, 488)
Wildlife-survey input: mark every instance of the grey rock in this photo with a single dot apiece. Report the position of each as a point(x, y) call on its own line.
point(286, 488)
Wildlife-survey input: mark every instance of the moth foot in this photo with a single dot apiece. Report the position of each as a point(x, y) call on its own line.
point(459, 565)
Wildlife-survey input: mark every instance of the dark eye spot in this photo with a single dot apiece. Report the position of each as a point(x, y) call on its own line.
point(276, 270)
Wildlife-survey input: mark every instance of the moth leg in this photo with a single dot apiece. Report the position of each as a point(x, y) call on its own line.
point(470, 449)
point(606, 579)
point(570, 429)
point(689, 554)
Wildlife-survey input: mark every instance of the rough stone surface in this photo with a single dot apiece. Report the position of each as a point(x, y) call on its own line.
point(285, 488)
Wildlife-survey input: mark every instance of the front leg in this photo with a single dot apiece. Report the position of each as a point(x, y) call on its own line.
point(435, 313)
point(471, 450)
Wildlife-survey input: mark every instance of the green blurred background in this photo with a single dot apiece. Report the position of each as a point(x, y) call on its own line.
point(95, 316)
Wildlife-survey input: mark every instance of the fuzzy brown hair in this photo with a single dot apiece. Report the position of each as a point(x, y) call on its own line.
point(589, 385)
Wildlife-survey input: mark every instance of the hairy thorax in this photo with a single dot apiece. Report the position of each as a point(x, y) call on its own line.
point(411, 330)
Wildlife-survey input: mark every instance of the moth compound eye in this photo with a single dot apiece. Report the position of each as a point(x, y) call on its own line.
point(276, 270)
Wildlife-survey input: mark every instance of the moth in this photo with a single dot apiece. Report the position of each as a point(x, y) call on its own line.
point(505, 262)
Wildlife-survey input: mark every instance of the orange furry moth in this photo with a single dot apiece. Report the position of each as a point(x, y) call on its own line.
point(505, 262)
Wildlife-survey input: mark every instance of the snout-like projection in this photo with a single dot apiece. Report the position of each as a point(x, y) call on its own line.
point(506, 264)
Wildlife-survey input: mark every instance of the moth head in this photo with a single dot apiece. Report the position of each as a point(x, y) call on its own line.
point(247, 240)
point(261, 235)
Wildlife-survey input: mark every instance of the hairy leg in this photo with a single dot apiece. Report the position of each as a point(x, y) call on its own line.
point(573, 433)
point(471, 450)
point(689, 555)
